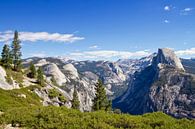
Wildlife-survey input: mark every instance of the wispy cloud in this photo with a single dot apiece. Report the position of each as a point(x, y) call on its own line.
point(107, 55)
point(186, 52)
point(186, 11)
point(7, 36)
point(94, 47)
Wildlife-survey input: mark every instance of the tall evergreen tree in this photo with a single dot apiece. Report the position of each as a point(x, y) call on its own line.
point(40, 77)
point(75, 100)
point(32, 71)
point(16, 52)
point(6, 57)
point(109, 106)
point(100, 101)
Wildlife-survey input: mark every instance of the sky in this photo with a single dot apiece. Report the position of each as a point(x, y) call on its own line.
point(99, 29)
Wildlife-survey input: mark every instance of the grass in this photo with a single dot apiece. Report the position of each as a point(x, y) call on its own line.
point(10, 99)
point(17, 76)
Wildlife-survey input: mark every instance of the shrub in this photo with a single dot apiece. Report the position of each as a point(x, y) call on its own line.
point(63, 118)
point(53, 93)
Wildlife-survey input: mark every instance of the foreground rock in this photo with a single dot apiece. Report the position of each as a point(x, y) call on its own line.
point(3, 82)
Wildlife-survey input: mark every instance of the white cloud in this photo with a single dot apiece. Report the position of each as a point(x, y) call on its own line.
point(7, 36)
point(115, 55)
point(39, 54)
point(166, 21)
point(94, 47)
point(167, 8)
point(188, 9)
point(107, 55)
point(186, 52)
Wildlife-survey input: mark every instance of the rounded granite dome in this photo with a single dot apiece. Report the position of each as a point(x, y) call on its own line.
point(167, 56)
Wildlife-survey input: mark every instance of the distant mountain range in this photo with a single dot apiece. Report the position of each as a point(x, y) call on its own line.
point(159, 82)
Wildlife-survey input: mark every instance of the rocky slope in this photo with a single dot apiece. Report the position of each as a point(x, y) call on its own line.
point(83, 75)
point(158, 82)
point(162, 86)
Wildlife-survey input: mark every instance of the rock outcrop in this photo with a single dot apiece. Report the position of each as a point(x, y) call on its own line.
point(167, 56)
point(3, 82)
point(162, 86)
point(53, 71)
point(71, 71)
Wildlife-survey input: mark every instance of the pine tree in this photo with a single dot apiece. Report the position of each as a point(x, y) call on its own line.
point(100, 101)
point(6, 57)
point(40, 77)
point(16, 52)
point(75, 100)
point(32, 71)
point(109, 106)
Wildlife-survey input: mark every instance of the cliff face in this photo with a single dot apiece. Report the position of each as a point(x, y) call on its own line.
point(173, 92)
point(162, 86)
point(168, 57)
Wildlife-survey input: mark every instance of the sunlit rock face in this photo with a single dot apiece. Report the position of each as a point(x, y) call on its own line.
point(167, 56)
point(53, 70)
point(162, 86)
point(3, 82)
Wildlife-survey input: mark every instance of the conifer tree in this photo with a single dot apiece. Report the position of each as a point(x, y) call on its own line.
point(109, 106)
point(40, 77)
point(6, 57)
point(100, 101)
point(16, 52)
point(75, 100)
point(32, 71)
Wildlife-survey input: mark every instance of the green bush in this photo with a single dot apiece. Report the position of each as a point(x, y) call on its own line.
point(62, 118)
point(62, 98)
point(53, 93)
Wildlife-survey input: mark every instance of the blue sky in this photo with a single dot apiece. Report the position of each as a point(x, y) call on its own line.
point(99, 29)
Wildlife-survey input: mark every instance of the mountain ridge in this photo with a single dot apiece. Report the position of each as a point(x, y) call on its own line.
point(118, 77)
point(160, 87)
